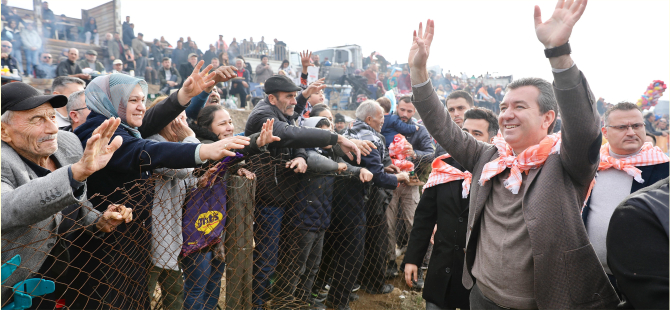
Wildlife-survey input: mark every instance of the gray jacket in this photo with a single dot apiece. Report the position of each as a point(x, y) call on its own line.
point(31, 208)
point(568, 274)
point(319, 163)
point(171, 188)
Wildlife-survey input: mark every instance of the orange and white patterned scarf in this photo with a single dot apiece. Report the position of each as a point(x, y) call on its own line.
point(444, 173)
point(649, 155)
point(531, 158)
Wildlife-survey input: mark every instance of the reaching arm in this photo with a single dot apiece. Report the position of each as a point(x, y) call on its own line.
point(161, 115)
point(403, 128)
point(373, 163)
point(197, 103)
point(319, 163)
point(463, 147)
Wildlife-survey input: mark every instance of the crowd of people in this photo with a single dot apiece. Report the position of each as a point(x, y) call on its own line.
point(531, 196)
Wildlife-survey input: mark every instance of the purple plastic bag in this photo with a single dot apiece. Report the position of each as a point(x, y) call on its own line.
point(205, 212)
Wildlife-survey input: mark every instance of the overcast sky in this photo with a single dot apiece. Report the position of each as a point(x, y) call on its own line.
point(621, 46)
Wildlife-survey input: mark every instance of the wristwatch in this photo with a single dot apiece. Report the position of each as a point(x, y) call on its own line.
point(558, 51)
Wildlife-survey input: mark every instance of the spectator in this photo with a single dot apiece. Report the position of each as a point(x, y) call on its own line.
point(444, 204)
point(115, 49)
point(179, 55)
point(209, 54)
point(419, 149)
point(91, 29)
point(48, 20)
point(315, 60)
point(340, 124)
point(326, 62)
point(221, 46)
point(302, 246)
point(70, 67)
point(17, 44)
point(65, 85)
point(601, 106)
point(252, 45)
point(140, 53)
point(6, 12)
point(137, 157)
point(280, 104)
point(263, 47)
point(37, 162)
point(240, 86)
point(117, 67)
point(128, 33)
point(7, 59)
point(393, 125)
point(559, 178)
point(165, 43)
point(196, 50)
point(92, 62)
point(352, 216)
point(404, 82)
point(637, 247)
point(233, 49)
point(188, 67)
point(662, 124)
point(77, 110)
point(649, 119)
point(32, 43)
point(169, 77)
point(263, 70)
point(286, 67)
point(280, 50)
point(224, 59)
point(627, 165)
point(157, 53)
point(371, 74)
point(128, 58)
point(45, 70)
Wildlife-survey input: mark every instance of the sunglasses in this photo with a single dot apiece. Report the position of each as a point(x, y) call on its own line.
point(47, 57)
point(7, 46)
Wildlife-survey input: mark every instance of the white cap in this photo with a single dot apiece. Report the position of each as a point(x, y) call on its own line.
point(312, 121)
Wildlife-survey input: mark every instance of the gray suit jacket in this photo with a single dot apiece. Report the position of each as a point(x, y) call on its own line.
point(31, 208)
point(567, 272)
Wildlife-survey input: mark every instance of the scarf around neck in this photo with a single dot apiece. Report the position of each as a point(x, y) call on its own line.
point(108, 95)
point(531, 158)
point(648, 155)
point(445, 173)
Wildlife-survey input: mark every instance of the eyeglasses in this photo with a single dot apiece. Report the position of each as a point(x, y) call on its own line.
point(80, 109)
point(635, 126)
point(47, 57)
point(7, 46)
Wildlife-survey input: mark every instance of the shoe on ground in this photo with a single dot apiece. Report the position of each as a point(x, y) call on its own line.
point(391, 273)
point(320, 297)
point(356, 287)
point(385, 289)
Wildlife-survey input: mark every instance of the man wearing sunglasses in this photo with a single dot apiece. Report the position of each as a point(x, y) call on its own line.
point(44, 69)
point(627, 164)
point(7, 59)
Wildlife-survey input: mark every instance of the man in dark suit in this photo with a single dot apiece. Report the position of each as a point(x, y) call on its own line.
point(526, 246)
point(442, 211)
point(627, 164)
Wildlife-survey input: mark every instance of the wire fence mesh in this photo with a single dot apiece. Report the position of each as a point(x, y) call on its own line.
point(277, 241)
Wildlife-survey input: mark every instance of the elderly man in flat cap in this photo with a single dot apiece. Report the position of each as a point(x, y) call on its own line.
point(44, 174)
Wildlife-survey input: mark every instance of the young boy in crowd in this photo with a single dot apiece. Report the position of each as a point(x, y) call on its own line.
point(306, 223)
point(393, 125)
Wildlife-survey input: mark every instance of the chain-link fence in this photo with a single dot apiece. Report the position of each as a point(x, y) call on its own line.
point(202, 238)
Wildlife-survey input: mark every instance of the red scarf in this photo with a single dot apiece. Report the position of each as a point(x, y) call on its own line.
point(649, 155)
point(531, 158)
point(445, 173)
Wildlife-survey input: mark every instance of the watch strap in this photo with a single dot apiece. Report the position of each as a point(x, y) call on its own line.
point(558, 51)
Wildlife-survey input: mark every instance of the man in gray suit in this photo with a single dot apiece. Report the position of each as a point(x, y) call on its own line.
point(44, 174)
point(526, 245)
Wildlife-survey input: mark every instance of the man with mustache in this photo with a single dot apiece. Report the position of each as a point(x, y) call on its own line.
point(526, 247)
point(627, 164)
point(44, 174)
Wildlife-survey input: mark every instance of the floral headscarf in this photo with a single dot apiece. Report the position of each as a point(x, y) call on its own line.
point(108, 95)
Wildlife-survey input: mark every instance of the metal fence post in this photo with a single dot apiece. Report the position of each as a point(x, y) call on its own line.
point(239, 242)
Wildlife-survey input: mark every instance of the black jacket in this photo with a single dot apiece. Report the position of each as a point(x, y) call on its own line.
point(185, 71)
point(637, 247)
point(276, 184)
point(443, 205)
point(163, 79)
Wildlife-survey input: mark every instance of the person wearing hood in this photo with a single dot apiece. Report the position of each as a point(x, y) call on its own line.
point(124, 178)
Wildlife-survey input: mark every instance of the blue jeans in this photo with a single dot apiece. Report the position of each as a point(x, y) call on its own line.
point(31, 60)
point(266, 233)
point(202, 279)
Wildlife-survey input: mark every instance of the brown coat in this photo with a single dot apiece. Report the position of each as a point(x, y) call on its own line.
point(567, 272)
